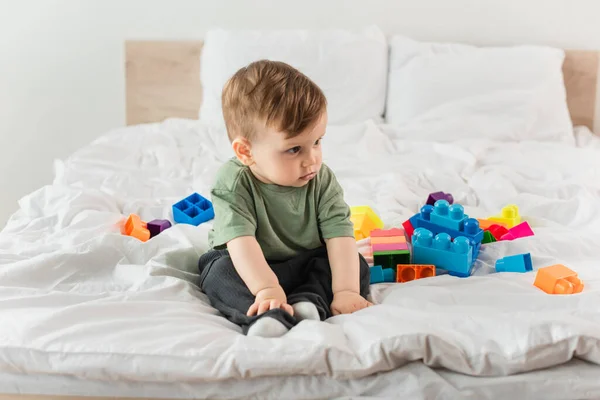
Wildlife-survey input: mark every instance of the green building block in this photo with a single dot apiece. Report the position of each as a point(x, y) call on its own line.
point(488, 237)
point(389, 259)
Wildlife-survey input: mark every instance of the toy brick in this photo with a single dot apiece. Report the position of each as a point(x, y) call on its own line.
point(193, 210)
point(157, 226)
point(387, 232)
point(518, 231)
point(470, 229)
point(378, 247)
point(456, 256)
point(389, 259)
point(509, 216)
point(408, 229)
point(376, 274)
point(385, 240)
point(488, 237)
point(558, 279)
point(497, 231)
point(389, 275)
point(364, 220)
point(486, 223)
point(135, 227)
point(410, 272)
point(433, 197)
point(449, 216)
point(516, 263)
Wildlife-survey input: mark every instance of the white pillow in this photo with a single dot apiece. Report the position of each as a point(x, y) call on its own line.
point(350, 67)
point(454, 91)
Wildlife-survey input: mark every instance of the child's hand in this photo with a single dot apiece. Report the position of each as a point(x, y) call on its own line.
point(268, 299)
point(346, 302)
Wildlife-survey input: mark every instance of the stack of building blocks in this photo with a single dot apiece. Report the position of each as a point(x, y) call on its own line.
point(193, 210)
point(516, 263)
point(157, 226)
point(508, 216)
point(444, 218)
point(137, 228)
point(434, 197)
point(380, 274)
point(389, 248)
point(558, 279)
point(456, 256)
point(410, 272)
point(364, 220)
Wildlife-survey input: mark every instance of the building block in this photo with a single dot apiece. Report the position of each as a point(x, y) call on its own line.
point(386, 240)
point(156, 226)
point(470, 229)
point(380, 274)
point(456, 256)
point(378, 247)
point(518, 231)
point(193, 210)
point(497, 231)
point(509, 216)
point(389, 259)
point(410, 272)
point(408, 229)
point(364, 220)
point(449, 216)
point(558, 279)
point(433, 197)
point(488, 237)
point(486, 223)
point(516, 263)
point(135, 227)
point(393, 232)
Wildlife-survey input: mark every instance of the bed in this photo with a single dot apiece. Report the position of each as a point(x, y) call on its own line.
point(91, 313)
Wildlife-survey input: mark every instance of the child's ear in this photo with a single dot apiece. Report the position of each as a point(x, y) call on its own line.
point(243, 150)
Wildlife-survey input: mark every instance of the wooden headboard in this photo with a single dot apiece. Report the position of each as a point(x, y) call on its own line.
point(163, 80)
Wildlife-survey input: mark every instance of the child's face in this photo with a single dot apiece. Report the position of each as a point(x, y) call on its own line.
point(288, 162)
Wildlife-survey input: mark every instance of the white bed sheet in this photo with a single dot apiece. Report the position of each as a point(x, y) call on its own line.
point(81, 300)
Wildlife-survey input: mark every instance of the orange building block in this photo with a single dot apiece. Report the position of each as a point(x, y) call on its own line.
point(486, 223)
point(410, 272)
point(386, 240)
point(558, 279)
point(135, 227)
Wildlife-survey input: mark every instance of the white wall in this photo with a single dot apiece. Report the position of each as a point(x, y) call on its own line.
point(61, 66)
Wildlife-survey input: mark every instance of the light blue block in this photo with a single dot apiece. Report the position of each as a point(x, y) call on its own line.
point(516, 263)
point(193, 210)
point(456, 256)
point(389, 275)
point(376, 274)
point(449, 216)
point(470, 228)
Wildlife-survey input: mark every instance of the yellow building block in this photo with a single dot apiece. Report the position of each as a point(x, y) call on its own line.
point(365, 220)
point(509, 216)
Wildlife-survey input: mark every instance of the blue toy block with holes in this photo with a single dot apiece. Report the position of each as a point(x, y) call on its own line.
point(470, 228)
point(449, 216)
point(516, 263)
point(456, 256)
point(193, 210)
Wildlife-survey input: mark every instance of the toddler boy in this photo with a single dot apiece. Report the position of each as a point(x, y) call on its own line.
point(283, 243)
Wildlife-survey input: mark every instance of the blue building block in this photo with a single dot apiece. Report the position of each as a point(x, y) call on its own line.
point(389, 275)
point(516, 263)
point(380, 274)
point(456, 256)
point(470, 229)
point(449, 216)
point(193, 210)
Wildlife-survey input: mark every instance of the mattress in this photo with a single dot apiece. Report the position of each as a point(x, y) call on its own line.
point(84, 304)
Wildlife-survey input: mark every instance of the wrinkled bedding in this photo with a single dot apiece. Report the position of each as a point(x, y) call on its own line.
point(80, 299)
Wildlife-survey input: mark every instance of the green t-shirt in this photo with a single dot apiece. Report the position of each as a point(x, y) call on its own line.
point(284, 220)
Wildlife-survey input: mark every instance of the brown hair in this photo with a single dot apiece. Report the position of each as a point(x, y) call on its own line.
point(272, 94)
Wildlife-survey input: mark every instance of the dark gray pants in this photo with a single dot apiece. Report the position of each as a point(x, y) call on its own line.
point(306, 277)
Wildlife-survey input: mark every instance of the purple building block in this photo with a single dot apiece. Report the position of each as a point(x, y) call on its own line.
point(157, 226)
point(433, 197)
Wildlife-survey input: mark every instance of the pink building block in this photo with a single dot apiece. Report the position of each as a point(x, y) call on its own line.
point(389, 246)
point(518, 231)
